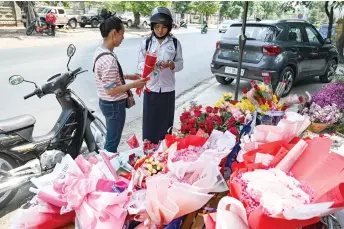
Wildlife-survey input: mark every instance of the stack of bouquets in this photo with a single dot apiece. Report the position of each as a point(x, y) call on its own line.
point(213, 118)
point(89, 189)
point(190, 174)
point(278, 187)
point(269, 107)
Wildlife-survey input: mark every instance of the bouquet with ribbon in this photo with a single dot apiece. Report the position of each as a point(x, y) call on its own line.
point(150, 61)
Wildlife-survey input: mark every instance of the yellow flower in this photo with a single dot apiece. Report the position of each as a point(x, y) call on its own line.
point(262, 87)
point(161, 165)
point(222, 100)
point(218, 104)
point(274, 99)
point(154, 171)
point(158, 168)
point(265, 107)
point(279, 106)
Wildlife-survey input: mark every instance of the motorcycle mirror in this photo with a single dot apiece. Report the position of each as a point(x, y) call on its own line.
point(16, 79)
point(71, 50)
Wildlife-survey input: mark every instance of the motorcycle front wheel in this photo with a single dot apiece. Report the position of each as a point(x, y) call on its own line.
point(30, 29)
point(99, 132)
point(98, 129)
point(7, 163)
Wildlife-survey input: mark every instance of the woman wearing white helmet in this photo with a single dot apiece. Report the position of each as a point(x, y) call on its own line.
point(159, 103)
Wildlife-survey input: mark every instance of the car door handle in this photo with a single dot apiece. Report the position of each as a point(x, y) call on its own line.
point(294, 49)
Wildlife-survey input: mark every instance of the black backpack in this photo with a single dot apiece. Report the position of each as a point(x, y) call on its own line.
point(175, 42)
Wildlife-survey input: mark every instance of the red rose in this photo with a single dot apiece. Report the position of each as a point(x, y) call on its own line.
point(242, 119)
point(233, 102)
point(193, 131)
point(192, 121)
point(256, 87)
point(234, 131)
point(267, 80)
point(215, 110)
point(209, 109)
point(232, 120)
point(301, 99)
point(202, 125)
point(186, 114)
point(245, 90)
point(197, 113)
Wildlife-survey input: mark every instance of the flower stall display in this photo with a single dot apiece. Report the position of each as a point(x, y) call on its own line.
point(212, 118)
point(299, 192)
point(268, 105)
point(322, 117)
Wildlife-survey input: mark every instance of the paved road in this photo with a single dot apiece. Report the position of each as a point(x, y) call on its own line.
point(39, 63)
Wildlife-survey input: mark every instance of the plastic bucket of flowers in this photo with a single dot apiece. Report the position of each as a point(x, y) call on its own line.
point(269, 117)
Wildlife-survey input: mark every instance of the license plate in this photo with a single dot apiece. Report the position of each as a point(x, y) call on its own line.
point(234, 71)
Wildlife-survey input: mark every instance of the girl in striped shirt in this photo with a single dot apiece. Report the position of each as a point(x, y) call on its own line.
point(111, 87)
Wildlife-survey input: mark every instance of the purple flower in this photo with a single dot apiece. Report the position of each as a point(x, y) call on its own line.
point(332, 93)
point(329, 114)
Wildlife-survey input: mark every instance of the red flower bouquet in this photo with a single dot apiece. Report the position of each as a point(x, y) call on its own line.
point(211, 118)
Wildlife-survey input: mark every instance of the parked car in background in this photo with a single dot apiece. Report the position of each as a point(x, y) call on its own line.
point(323, 29)
point(128, 19)
point(62, 18)
point(223, 27)
point(288, 50)
point(91, 18)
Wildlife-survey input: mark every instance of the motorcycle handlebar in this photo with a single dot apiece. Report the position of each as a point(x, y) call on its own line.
point(31, 94)
point(76, 71)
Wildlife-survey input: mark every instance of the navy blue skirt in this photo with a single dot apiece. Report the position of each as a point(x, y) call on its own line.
point(158, 115)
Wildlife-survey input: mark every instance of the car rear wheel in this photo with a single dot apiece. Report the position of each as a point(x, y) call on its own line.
point(223, 80)
point(94, 24)
point(129, 23)
point(288, 76)
point(330, 72)
point(72, 23)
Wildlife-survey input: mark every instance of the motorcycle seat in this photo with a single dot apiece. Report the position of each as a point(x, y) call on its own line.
point(16, 123)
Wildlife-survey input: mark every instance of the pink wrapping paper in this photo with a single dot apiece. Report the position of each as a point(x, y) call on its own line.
point(292, 125)
point(321, 170)
point(167, 198)
point(41, 216)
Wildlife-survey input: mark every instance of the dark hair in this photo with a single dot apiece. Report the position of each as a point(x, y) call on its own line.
point(110, 24)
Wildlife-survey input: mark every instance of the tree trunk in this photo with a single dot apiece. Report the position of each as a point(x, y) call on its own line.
point(330, 19)
point(136, 19)
point(340, 44)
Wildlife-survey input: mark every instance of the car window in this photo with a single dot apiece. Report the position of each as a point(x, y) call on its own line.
point(312, 36)
point(61, 11)
point(253, 32)
point(294, 34)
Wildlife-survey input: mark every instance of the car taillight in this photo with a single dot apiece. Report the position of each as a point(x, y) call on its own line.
point(271, 50)
point(217, 45)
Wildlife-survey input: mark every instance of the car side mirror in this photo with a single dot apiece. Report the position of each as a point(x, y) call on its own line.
point(328, 41)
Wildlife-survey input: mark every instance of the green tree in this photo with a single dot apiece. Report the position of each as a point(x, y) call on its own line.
point(182, 7)
point(138, 8)
point(231, 9)
point(205, 8)
point(65, 4)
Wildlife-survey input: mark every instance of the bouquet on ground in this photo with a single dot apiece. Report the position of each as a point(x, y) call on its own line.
point(211, 118)
point(299, 192)
point(266, 100)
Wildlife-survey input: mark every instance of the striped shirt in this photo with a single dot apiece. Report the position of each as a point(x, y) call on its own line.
point(107, 75)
